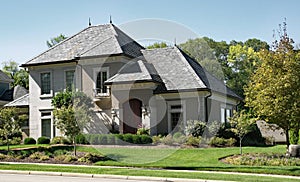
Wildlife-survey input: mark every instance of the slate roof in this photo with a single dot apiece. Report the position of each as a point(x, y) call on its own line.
point(19, 102)
point(13, 93)
point(180, 72)
point(4, 77)
point(100, 40)
point(135, 71)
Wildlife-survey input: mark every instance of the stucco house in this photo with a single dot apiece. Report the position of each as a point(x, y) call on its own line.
point(131, 87)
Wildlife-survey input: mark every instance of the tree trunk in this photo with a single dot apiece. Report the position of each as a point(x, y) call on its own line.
point(7, 143)
point(287, 137)
point(74, 144)
point(241, 150)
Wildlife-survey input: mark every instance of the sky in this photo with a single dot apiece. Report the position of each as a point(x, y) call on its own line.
point(26, 25)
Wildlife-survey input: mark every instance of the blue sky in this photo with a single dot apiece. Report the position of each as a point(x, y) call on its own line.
point(26, 25)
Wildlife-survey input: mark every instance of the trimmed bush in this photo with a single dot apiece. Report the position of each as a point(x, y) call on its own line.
point(193, 141)
point(136, 139)
point(142, 131)
point(43, 140)
point(222, 142)
point(29, 140)
point(127, 138)
point(145, 139)
point(111, 139)
point(80, 139)
point(60, 140)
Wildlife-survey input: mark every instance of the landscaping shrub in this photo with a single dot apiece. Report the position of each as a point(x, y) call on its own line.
point(80, 139)
point(91, 158)
point(142, 131)
point(43, 140)
point(167, 140)
point(136, 139)
point(93, 139)
point(60, 140)
point(222, 142)
point(119, 139)
point(127, 138)
point(16, 141)
point(146, 139)
point(195, 128)
point(29, 140)
point(179, 138)
point(102, 139)
point(156, 139)
point(110, 139)
point(70, 158)
point(193, 141)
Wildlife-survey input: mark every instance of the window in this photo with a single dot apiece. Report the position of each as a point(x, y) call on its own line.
point(101, 78)
point(45, 83)
point(225, 114)
point(48, 128)
point(69, 75)
point(176, 115)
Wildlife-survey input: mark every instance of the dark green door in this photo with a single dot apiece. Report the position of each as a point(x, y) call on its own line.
point(46, 127)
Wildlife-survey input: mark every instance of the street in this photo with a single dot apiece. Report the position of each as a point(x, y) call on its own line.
point(46, 178)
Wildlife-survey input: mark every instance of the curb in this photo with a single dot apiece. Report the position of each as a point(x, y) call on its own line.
point(122, 177)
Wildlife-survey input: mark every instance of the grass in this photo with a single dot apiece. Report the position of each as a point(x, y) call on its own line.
point(186, 159)
point(142, 172)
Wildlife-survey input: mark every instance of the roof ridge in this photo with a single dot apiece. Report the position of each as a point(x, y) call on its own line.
point(189, 66)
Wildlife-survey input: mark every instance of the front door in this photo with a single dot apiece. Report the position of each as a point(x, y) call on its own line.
point(132, 116)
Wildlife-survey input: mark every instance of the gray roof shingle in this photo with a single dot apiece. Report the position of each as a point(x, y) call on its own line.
point(21, 101)
point(5, 78)
point(101, 40)
point(180, 72)
point(135, 71)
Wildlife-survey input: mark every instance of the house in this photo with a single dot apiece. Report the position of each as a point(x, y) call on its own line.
point(131, 87)
point(5, 92)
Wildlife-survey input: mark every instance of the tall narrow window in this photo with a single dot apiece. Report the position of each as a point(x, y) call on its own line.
point(45, 83)
point(70, 79)
point(225, 114)
point(101, 78)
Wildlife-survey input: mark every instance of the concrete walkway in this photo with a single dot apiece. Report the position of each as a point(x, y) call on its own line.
point(133, 177)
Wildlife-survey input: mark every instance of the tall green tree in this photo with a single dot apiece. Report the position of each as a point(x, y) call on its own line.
point(9, 123)
point(273, 91)
point(20, 76)
point(200, 50)
point(243, 61)
point(55, 40)
point(71, 113)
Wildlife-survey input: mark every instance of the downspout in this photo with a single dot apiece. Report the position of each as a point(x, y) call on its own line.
point(206, 106)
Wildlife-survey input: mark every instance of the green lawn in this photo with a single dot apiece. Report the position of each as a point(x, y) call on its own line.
point(190, 159)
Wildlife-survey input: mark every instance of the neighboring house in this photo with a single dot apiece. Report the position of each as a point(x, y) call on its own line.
point(5, 91)
point(131, 87)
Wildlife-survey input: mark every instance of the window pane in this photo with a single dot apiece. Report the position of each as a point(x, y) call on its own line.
point(104, 78)
point(45, 83)
point(99, 82)
point(228, 114)
point(175, 117)
point(101, 78)
point(222, 115)
point(46, 127)
point(70, 79)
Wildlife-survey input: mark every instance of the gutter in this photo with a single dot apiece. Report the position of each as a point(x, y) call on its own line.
point(206, 106)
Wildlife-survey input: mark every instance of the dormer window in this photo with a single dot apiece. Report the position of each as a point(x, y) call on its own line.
point(46, 83)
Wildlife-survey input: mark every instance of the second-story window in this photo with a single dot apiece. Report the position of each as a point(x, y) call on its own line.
point(70, 82)
point(45, 83)
point(101, 78)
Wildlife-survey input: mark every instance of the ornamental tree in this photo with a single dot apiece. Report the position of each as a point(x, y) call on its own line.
point(72, 113)
point(273, 91)
point(9, 123)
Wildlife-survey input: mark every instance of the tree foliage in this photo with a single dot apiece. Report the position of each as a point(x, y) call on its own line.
point(243, 61)
point(20, 76)
point(72, 113)
point(273, 91)
point(55, 40)
point(157, 45)
point(9, 123)
point(241, 123)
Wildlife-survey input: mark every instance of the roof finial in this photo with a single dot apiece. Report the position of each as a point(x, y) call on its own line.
point(90, 24)
point(175, 41)
point(110, 20)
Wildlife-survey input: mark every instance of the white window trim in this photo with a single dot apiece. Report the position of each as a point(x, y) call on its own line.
point(225, 107)
point(65, 78)
point(47, 117)
point(51, 84)
point(95, 74)
point(181, 110)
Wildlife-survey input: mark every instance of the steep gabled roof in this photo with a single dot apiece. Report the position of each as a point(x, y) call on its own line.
point(101, 40)
point(180, 72)
point(21, 101)
point(5, 78)
point(135, 71)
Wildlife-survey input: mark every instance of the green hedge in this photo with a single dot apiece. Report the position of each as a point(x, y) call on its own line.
point(112, 139)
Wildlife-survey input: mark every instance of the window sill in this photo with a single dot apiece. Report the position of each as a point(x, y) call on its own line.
point(46, 96)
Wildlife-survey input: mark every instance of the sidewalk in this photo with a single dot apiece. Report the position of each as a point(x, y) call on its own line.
point(133, 177)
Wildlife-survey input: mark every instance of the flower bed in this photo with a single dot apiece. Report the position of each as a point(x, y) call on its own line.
point(262, 159)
